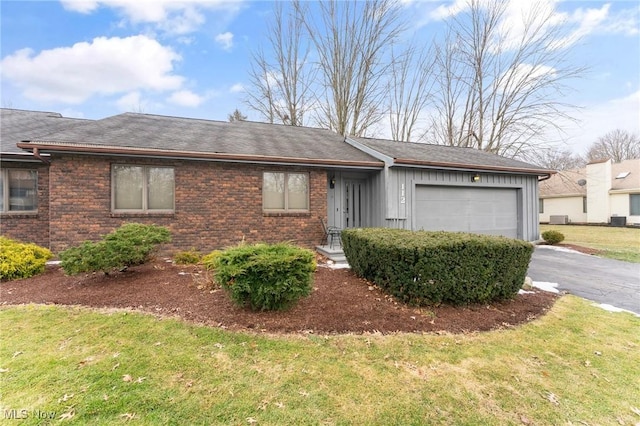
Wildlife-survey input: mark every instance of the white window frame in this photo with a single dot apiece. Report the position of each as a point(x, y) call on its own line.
point(6, 191)
point(286, 208)
point(145, 190)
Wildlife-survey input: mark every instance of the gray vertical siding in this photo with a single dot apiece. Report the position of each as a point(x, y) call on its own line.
point(399, 215)
point(371, 206)
point(386, 189)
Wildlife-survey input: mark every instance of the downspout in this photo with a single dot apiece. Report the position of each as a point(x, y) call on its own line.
point(544, 178)
point(36, 153)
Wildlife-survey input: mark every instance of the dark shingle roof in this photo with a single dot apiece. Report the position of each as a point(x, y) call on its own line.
point(146, 134)
point(17, 125)
point(429, 154)
point(144, 131)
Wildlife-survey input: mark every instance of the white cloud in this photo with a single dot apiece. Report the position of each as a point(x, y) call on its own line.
point(447, 11)
point(176, 17)
point(187, 41)
point(626, 22)
point(524, 76)
point(583, 23)
point(225, 40)
point(237, 88)
point(186, 22)
point(82, 6)
point(71, 113)
point(186, 98)
point(597, 119)
point(105, 66)
point(575, 25)
point(129, 102)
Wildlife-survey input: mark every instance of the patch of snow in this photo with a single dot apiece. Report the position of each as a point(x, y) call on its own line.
point(562, 249)
point(550, 287)
point(339, 266)
point(612, 308)
point(54, 262)
point(521, 291)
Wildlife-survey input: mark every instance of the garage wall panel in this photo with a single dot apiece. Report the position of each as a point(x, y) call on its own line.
point(526, 185)
point(492, 211)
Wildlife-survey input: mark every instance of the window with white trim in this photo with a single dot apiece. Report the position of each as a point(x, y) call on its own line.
point(142, 189)
point(285, 192)
point(18, 190)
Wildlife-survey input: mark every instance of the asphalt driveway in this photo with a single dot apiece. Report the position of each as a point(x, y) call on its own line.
point(602, 280)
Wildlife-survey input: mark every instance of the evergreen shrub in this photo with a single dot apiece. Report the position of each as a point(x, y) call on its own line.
point(211, 260)
point(188, 257)
point(21, 260)
point(552, 237)
point(426, 268)
point(265, 276)
point(129, 245)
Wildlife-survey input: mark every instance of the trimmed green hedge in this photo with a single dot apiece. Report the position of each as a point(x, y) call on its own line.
point(263, 276)
point(129, 245)
point(21, 260)
point(424, 268)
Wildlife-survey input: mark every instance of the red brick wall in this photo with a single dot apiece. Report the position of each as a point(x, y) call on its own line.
point(29, 227)
point(216, 204)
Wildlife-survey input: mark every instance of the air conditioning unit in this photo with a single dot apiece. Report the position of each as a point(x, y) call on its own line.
point(618, 221)
point(558, 219)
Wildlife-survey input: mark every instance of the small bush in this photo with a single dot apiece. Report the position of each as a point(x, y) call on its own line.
point(265, 277)
point(210, 260)
point(131, 244)
point(190, 257)
point(423, 268)
point(552, 237)
point(21, 260)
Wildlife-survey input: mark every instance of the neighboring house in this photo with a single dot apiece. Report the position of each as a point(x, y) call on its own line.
point(215, 184)
point(24, 178)
point(593, 194)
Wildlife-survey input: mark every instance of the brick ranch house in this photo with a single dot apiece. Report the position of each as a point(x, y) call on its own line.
point(214, 184)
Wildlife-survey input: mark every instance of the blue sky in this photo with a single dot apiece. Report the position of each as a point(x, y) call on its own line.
point(96, 58)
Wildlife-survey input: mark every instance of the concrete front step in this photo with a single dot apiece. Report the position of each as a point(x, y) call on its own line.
point(335, 254)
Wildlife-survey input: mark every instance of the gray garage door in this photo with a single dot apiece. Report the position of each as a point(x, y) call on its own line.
point(479, 210)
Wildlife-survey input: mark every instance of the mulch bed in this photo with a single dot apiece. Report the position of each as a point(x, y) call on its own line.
point(340, 302)
point(585, 250)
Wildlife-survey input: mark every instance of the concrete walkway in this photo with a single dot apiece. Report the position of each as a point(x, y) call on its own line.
point(598, 279)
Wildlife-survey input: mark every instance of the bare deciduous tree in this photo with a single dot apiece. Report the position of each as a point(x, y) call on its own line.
point(261, 91)
point(556, 159)
point(500, 84)
point(236, 115)
point(353, 41)
point(409, 92)
point(280, 86)
point(618, 145)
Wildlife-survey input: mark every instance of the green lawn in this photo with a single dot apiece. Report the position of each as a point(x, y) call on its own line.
point(577, 365)
point(616, 243)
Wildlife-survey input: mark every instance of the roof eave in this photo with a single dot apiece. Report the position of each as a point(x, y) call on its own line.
point(19, 156)
point(567, 195)
point(472, 167)
point(193, 155)
point(625, 191)
point(368, 150)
